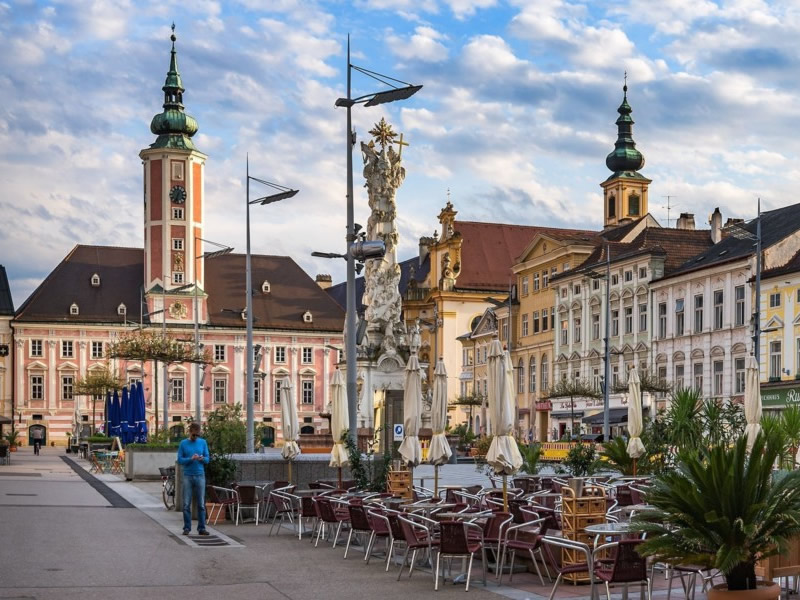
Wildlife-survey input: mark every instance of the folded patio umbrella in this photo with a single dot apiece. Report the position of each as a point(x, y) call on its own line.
point(410, 449)
point(752, 400)
point(124, 417)
point(439, 452)
point(635, 426)
point(289, 421)
point(141, 414)
point(116, 415)
point(340, 420)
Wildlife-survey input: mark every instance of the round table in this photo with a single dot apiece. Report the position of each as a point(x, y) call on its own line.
point(609, 530)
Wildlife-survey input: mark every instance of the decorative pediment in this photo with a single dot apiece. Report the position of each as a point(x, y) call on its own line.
point(487, 324)
point(775, 322)
point(595, 301)
point(308, 371)
point(36, 365)
point(641, 290)
point(796, 320)
point(613, 296)
point(661, 358)
point(131, 368)
point(576, 305)
point(739, 348)
point(67, 366)
point(697, 353)
point(562, 308)
point(562, 358)
point(575, 356)
point(627, 349)
point(641, 347)
point(717, 351)
point(180, 369)
point(593, 353)
point(627, 293)
point(221, 369)
point(678, 356)
point(280, 371)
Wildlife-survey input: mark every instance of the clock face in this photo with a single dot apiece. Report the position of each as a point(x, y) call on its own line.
point(177, 194)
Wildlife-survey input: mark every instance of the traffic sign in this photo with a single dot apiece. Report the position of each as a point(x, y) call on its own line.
point(398, 432)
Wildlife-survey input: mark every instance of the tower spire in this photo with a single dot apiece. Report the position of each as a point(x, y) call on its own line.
point(625, 157)
point(173, 126)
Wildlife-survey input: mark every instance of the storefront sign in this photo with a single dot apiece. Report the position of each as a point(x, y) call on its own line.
point(780, 397)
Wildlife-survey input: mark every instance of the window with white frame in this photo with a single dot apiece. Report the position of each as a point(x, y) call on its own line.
point(177, 277)
point(576, 330)
point(535, 322)
point(67, 387)
point(679, 316)
point(532, 375)
point(698, 376)
point(280, 354)
point(564, 332)
point(177, 386)
point(717, 367)
point(36, 349)
point(308, 391)
point(37, 387)
point(276, 391)
point(535, 282)
point(67, 349)
point(595, 326)
point(628, 275)
point(74, 310)
point(525, 285)
point(564, 292)
point(615, 375)
point(738, 293)
point(775, 300)
point(642, 272)
point(615, 322)
point(545, 374)
point(308, 355)
point(219, 352)
point(628, 319)
point(614, 279)
point(545, 279)
point(97, 350)
point(177, 243)
point(576, 290)
point(257, 390)
point(544, 320)
point(524, 325)
point(220, 390)
point(95, 280)
point(679, 377)
point(643, 317)
point(520, 376)
point(718, 305)
point(504, 329)
point(698, 313)
point(775, 359)
point(738, 367)
point(177, 214)
point(596, 378)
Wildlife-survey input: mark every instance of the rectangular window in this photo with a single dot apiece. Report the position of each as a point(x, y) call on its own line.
point(308, 391)
point(177, 388)
point(739, 296)
point(775, 300)
point(564, 292)
point(679, 379)
point(576, 330)
point(775, 360)
point(642, 317)
point(177, 214)
point(628, 275)
point(596, 326)
point(679, 316)
point(67, 382)
point(738, 365)
point(615, 375)
point(524, 325)
point(628, 319)
point(718, 304)
point(280, 354)
point(525, 285)
point(662, 320)
point(37, 387)
point(308, 355)
point(257, 390)
point(177, 277)
point(564, 332)
point(642, 272)
point(698, 313)
point(97, 350)
point(717, 378)
point(504, 330)
point(545, 376)
point(797, 358)
point(576, 290)
point(36, 348)
point(596, 379)
point(615, 323)
point(220, 391)
point(698, 377)
point(535, 321)
point(535, 282)
point(177, 243)
point(545, 279)
point(614, 279)
point(544, 320)
point(67, 349)
point(277, 392)
point(595, 284)
point(219, 352)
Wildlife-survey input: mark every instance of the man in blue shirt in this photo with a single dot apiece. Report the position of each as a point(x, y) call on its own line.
point(192, 456)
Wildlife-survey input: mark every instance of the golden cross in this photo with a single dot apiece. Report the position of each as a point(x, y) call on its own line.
point(400, 143)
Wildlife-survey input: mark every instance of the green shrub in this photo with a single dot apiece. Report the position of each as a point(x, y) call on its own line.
point(581, 460)
point(225, 431)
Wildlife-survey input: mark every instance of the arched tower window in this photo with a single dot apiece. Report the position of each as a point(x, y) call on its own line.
point(634, 205)
point(612, 206)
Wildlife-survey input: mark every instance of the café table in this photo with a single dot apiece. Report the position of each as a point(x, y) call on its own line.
point(427, 507)
point(608, 530)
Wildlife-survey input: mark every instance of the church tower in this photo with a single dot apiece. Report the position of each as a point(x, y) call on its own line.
point(625, 191)
point(173, 208)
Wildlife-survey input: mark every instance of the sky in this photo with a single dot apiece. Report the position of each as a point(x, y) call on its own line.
point(514, 120)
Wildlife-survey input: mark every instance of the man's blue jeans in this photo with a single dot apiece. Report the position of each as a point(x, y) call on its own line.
point(194, 486)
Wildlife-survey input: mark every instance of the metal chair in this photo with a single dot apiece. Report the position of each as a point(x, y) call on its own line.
point(587, 567)
point(380, 528)
point(459, 539)
point(288, 506)
point(513, 544)
point(626, 566)
point(359, 524)
point(492, 534)
point(418, 533)
point(330, 516)
point(221, 499)
point(248, 498)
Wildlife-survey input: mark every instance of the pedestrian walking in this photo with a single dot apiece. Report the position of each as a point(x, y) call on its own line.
point(37, 440)
point(193, 456)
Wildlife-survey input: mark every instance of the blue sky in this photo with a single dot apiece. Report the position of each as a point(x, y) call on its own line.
point(515, 118)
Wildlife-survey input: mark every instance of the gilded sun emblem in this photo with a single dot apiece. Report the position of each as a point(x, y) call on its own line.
point(383, 133)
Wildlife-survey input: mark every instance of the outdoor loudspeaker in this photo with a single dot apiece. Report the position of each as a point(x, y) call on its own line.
point(366, 250)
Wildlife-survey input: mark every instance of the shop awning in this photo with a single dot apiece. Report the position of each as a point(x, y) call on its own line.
point(615, 417)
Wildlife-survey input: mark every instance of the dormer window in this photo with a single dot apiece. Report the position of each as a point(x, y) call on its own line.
point(122, 310)
point(265, 287)
point(73, 309)
point(308, 317)
point(95, 280)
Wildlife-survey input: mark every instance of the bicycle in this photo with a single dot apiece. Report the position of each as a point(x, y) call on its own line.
point(168, 486)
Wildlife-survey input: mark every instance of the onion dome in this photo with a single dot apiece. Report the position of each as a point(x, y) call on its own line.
point(173, 127)
point(625, 159)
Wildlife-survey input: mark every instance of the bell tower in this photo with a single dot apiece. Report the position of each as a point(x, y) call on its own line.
point(173, 206)
point(625, 191)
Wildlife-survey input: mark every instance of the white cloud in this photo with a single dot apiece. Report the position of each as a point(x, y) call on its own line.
point(466, 8)
point(424, 44)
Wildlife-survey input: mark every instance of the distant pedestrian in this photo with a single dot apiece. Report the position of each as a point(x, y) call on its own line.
point(36, 434)
point(192, 456)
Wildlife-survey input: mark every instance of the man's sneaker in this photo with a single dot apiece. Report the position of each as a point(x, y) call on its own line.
point(185, 532)
point(204, 532)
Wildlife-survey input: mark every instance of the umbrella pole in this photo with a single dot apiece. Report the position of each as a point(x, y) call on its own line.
point(340, 477)
point(634, 467)
point(436, 481)
point(290, 472)
point(505, 493)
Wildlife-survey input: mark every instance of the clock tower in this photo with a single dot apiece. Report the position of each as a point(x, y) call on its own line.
point(173, 208)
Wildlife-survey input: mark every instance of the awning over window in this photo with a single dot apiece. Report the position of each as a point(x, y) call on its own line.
point(615, 417)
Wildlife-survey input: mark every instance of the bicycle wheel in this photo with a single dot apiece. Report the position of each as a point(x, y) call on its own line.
point(168, 494)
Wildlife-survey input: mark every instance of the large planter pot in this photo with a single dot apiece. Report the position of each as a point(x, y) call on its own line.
point(766, 590)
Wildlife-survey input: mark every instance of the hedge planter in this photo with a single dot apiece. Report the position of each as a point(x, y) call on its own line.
point(141, 464)
point(766, 590)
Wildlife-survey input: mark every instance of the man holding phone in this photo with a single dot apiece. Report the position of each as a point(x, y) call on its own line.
point(192, 456)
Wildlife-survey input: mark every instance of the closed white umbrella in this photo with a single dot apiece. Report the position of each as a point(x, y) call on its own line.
point(503, 455)
point(412, 401)
point(340, 420)
point(439, 452)
point(76, 417)
point(289, 424)
point(752, 400)
point(635, 426)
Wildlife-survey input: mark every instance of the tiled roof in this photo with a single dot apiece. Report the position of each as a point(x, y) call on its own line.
point(6, 302)
point(121, 270)
point(615, 234)
point(793, 266)
point(339, 291)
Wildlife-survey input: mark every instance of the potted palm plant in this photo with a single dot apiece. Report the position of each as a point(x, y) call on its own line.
point(722, 508)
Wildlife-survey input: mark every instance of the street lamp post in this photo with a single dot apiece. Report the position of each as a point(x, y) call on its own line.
point(281, 193)
point(740, 232)
point(607, 351)
point(373, 99)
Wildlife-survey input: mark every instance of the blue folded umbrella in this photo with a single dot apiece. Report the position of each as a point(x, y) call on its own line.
point(141, 414)
point(115, 415)
point(124, 423)
point(107, 415)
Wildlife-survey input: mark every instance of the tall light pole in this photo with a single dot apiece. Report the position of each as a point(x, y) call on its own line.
point(281, 193)
point(757, 310)
point(607, 351)
point(396, 93)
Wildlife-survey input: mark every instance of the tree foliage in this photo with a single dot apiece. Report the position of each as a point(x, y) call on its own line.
point(156, 345)
point(225, 431)
point(572, 388)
